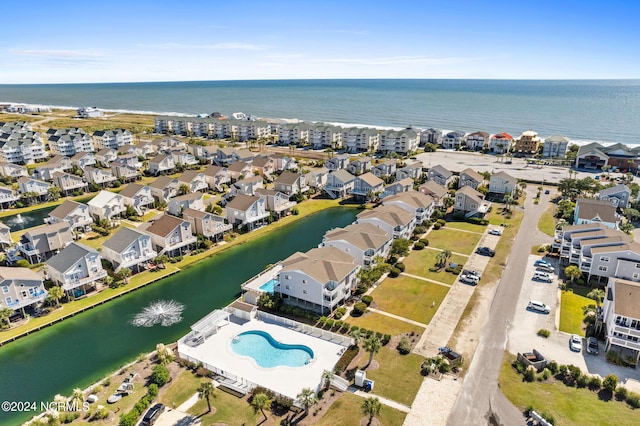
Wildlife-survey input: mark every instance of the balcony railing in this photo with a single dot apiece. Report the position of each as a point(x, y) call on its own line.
point(625, 343)
point(71, 284)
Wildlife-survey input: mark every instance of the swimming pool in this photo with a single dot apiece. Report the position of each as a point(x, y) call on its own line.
point(269, 286)
point(268, 352)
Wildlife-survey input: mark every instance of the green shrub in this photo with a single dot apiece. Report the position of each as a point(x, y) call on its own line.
point(393, 260)
point(610, 382)
point(404, 347)
point(530, 374)
point(330, 322)
point(400, 266)
point(359, 309)
point(543, 332)
point(580, 281)
point(633, 399)
point(160, 375)
point(582, 381)
point(436, 226)
point(394, 272)
point(478, 221)
point(338, 315)
point(367, 299)
point(595, 383)
point(424, 241)
point(23, 263)
point(621, 393)
point(441, 222)
point(385, 339)
point(549, 418)
point(418, 245)
point(418, 230)
point(342, 310)
point(346, 359)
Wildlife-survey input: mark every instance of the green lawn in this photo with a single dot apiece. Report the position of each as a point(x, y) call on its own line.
point(409, 297)
point(384, 324)
point(568, 405)
point(456, 241)
point(571, 313)
point(398, 376)
point(419, 262)
point(229, 410)
point(465, 226)
point(497, 264)
point(547, 222)
point(180, 389)
point(347, 411)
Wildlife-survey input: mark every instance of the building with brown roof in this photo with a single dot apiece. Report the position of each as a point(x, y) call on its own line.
point(392, 219)
point(248, 211)
point(416, 203)
point(621, 318)
point(589, 210)
point(364, 242)
point(170, 235)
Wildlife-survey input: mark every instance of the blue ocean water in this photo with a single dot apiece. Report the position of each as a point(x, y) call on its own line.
point(583, 110)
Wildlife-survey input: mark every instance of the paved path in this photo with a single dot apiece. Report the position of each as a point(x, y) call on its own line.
point(398, 317)
point(424, 279)
point(453, 252)
point(385, 401)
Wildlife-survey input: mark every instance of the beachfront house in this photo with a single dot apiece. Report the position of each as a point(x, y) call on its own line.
point(161, 163)
point(470, 202)
point(77, 269)
point(432, 136)
point(170, 235)
point(502, 184)
point(356, 139)
point(402, 142)
point(69, 183)
point(364, 242)
point(216, 177)
point(620, 316)
point(392, 219)
point(453, 140)
point(100, 177)
point(107, 205)
point(291, 183)
point(31, 185)
point(385, 168)
point(22, 289)
point(359, 166)
point(13, 171)
point(527, 144)
point(500, 143)
point(411, 171)
point(113, 139)
point(8, 197)
point(555, 146)
point(294, 133)
point(139, 197)
point(339, 162)
point(39, 244)
point(477, 141)
point(195, 180)
point(339, 184)
point(164, 188)
point(73, 213)
point(619, 196)
point(416, 203)
point(469, 177)
point(247, 211)
point(88, 112)
point(325, 136)
point(277, 202)
point(129, 248)
point(192, 200)
point(320, 280)
point(588, 210)
point(208, 225)
point(83, 159)
point(440, 175)
point(367, 186)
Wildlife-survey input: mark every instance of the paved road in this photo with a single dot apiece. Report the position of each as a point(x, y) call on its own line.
point(480, 394)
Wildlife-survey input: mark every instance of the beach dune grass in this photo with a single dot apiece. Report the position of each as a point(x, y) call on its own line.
point(569, 405)
point(454, 240)
point(347, 411)
point(420, 262)
point(410, 297)
point(384, 324)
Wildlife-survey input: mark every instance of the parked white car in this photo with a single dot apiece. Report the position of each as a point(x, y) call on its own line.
point(534, 305)
point(542, 276)
point(575, 343)
point(495, 231)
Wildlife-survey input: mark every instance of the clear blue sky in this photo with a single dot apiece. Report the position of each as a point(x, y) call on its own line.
point(139, 40)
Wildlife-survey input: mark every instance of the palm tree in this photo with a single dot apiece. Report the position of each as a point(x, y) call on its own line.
point(327, 375)
point(5, 314)
point(56, 293)
point(443, 257)
point(183, 189)
point(371, 407)
point(572, 272)
point(259, 402)
point(596, 294)
point(371, 344)
point(77, 397)
point(124, 274)
point(356, 334)
point(164, 354)
point(53, 193)
point(306, 398)
point(206, 391)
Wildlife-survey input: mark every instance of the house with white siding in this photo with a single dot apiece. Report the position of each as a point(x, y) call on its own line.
point(555, 146)
point(83, 159)
point(21, 288)
point(416, 203)
point(385, 168)
point(192, 200)
point(397, 187)
point(412, 170)
point(239, 170)
point(277, 202)
point(392, 219)
point(339, 162)
point(39, 244)
point(247, 186)
point(124, 172)
point(139, 197)
point(5, 237)
point(440, 175)
point(339, 184)
point(453, 140)
point(195, 180)
point(77, 269)
point(247, 210)
point(73, 213)
point(100, 177)
point(359, 166)
point(55, 164)
point(105, 156)
point(69, 183)
point(366, 185)
point(469, 177)
point(164, 188)
point(470, 202)
point(114, 139)
point(8, 197)
point(500, 143)
point(477, 141)
point(216, 177)
point(107, 205)
point(621, 318)
point(209, 225)
point(129, 248)
point(161, 163)
point(291, 183)
point(317, 178)
point(170, 235)
point(356, 139)
point(364, 242)
point(503, 184)
point(13, 171)
point(432, 136)
point(27, 184)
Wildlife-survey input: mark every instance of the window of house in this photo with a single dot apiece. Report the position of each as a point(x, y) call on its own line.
point(287, 277)
point(287, 287)
point(8, 300)
point(602, 268)
point(636, 275)
point(5, 289)
point(605, 259)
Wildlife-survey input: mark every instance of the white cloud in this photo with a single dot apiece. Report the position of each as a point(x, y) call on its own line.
point(398, 60)
point(214, 46)
point(57, 53)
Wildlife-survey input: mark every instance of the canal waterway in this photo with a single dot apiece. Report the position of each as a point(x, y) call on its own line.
point(79, 351)
point(18, 222)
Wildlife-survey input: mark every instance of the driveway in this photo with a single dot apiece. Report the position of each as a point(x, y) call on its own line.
point(524, 328)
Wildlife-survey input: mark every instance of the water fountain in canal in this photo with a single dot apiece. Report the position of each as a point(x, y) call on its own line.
point(163, 312)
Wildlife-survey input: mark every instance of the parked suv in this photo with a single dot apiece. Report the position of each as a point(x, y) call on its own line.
point(545, 267)
point(534, 305)
point(469, 279)
point(592, 346)
point(486, 251)
point(542, 276)
point(152, 415)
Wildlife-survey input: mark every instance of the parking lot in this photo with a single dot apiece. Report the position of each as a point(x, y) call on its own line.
point(523, 331)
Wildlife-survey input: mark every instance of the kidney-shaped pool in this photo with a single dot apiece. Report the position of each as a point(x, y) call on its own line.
point(268, 352)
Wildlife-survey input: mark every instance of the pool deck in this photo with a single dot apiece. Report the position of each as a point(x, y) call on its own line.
point(289, 381)
point(254, 283)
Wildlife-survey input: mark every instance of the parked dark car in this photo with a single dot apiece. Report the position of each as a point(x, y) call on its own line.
point(592, 346)
point(152, 415)
point(486, 251)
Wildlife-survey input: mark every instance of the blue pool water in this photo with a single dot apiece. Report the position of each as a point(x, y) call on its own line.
point(268, 352)
point(269, 286)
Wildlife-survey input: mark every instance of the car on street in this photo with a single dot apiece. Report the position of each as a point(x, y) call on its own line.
point(486, 251)
point(469, 279)
point(575, 343)
point(472, 272)
point(542, 276)
point(534, 305)
point(592, 346)
point(495, 231)
point(547, 192)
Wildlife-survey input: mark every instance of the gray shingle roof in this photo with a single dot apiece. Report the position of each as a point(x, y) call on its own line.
point(122, 239)
point(66, 258)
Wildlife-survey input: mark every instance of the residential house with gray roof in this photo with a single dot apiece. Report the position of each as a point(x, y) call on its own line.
point(107, 205)
point(73, 213)
point(364, 242)
point(397, 187)
point(39, 244)
point(46, 170)
point(129, 248)
point(216, 177)
point(192, 200)
point(139, 197)
point(105, 156)
point(5, 237)
point(503, 184)
point(21, 288)
point(124, 172)
point(164, 188)
point(69, 183)
point(385, 168)
point(440, 175)
point(470, 202)
point(453, 139)
point(411, 170)
point(432, 136)
point(195, 180)
point(161, 163)
point(113, 139)
point(469, 177)
point(367, 185)
point(619, 196)
point(477, 141)
point(100, 177)
point(13, 171)
point(83, 159)
point(247, 210)
point(28, 184)
point(359, 166)
point(339, 184)
point(77, 269)
point(555, 146)
point(588, 210)
point(278, 203)
point(339, 162)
